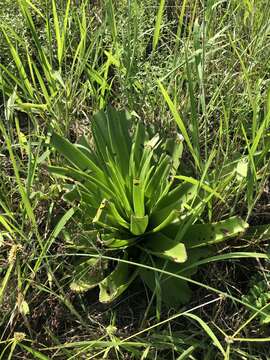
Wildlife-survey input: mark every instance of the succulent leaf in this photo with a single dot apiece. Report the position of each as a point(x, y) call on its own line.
point(138, 224)
point(207, 234)
point(116, 283)
point(88, 274)
point(162, 246)
point(174, 291)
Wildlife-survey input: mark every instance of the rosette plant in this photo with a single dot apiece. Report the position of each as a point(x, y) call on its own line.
point(133, 206)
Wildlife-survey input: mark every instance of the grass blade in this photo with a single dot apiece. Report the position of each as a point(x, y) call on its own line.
point(158, 24)
point(208, 331)
point(179, 122)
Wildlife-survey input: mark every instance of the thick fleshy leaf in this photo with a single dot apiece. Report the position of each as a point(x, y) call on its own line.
point(118, 183)
point(174, 200)
point(138, 198)
point(101, 135)
point(115, 243)
point(116, 214)
point(116, 283)
point(118, 126)
point(88, 274)
point(138, 225)
point(174, 291)
point(117, 239)
point(147, 156)
point(80, 194)
point(85, 179)
point(162, 246)
point(111, 133)
point(173, 214)
point(102, 216)
point(137, 150)
point(74, 155)
point(161, 172)
point(207, 234)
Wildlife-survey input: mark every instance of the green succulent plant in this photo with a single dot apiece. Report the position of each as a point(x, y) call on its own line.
point(132, 204)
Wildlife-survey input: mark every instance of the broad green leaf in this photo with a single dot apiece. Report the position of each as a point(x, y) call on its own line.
point(117, 216)
point(164, 222)
point(116, 283)
point(149, 147)
point(100, 211)
point(159, 179)
point(118, 184)
point(117, 240)
point(101, 134)
point(175, 199)
point(120, 243)
point(103, 216)
point(83, 179)
point(162, 246)
point(138, 198)
point(118, 125)
point(127, 189)
point(74, 155)
point(90, 196)
point(88, 274)
point(207, 234)
point(174, 291)
point(72, 194)
point(138, 225)
point(137, 149)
